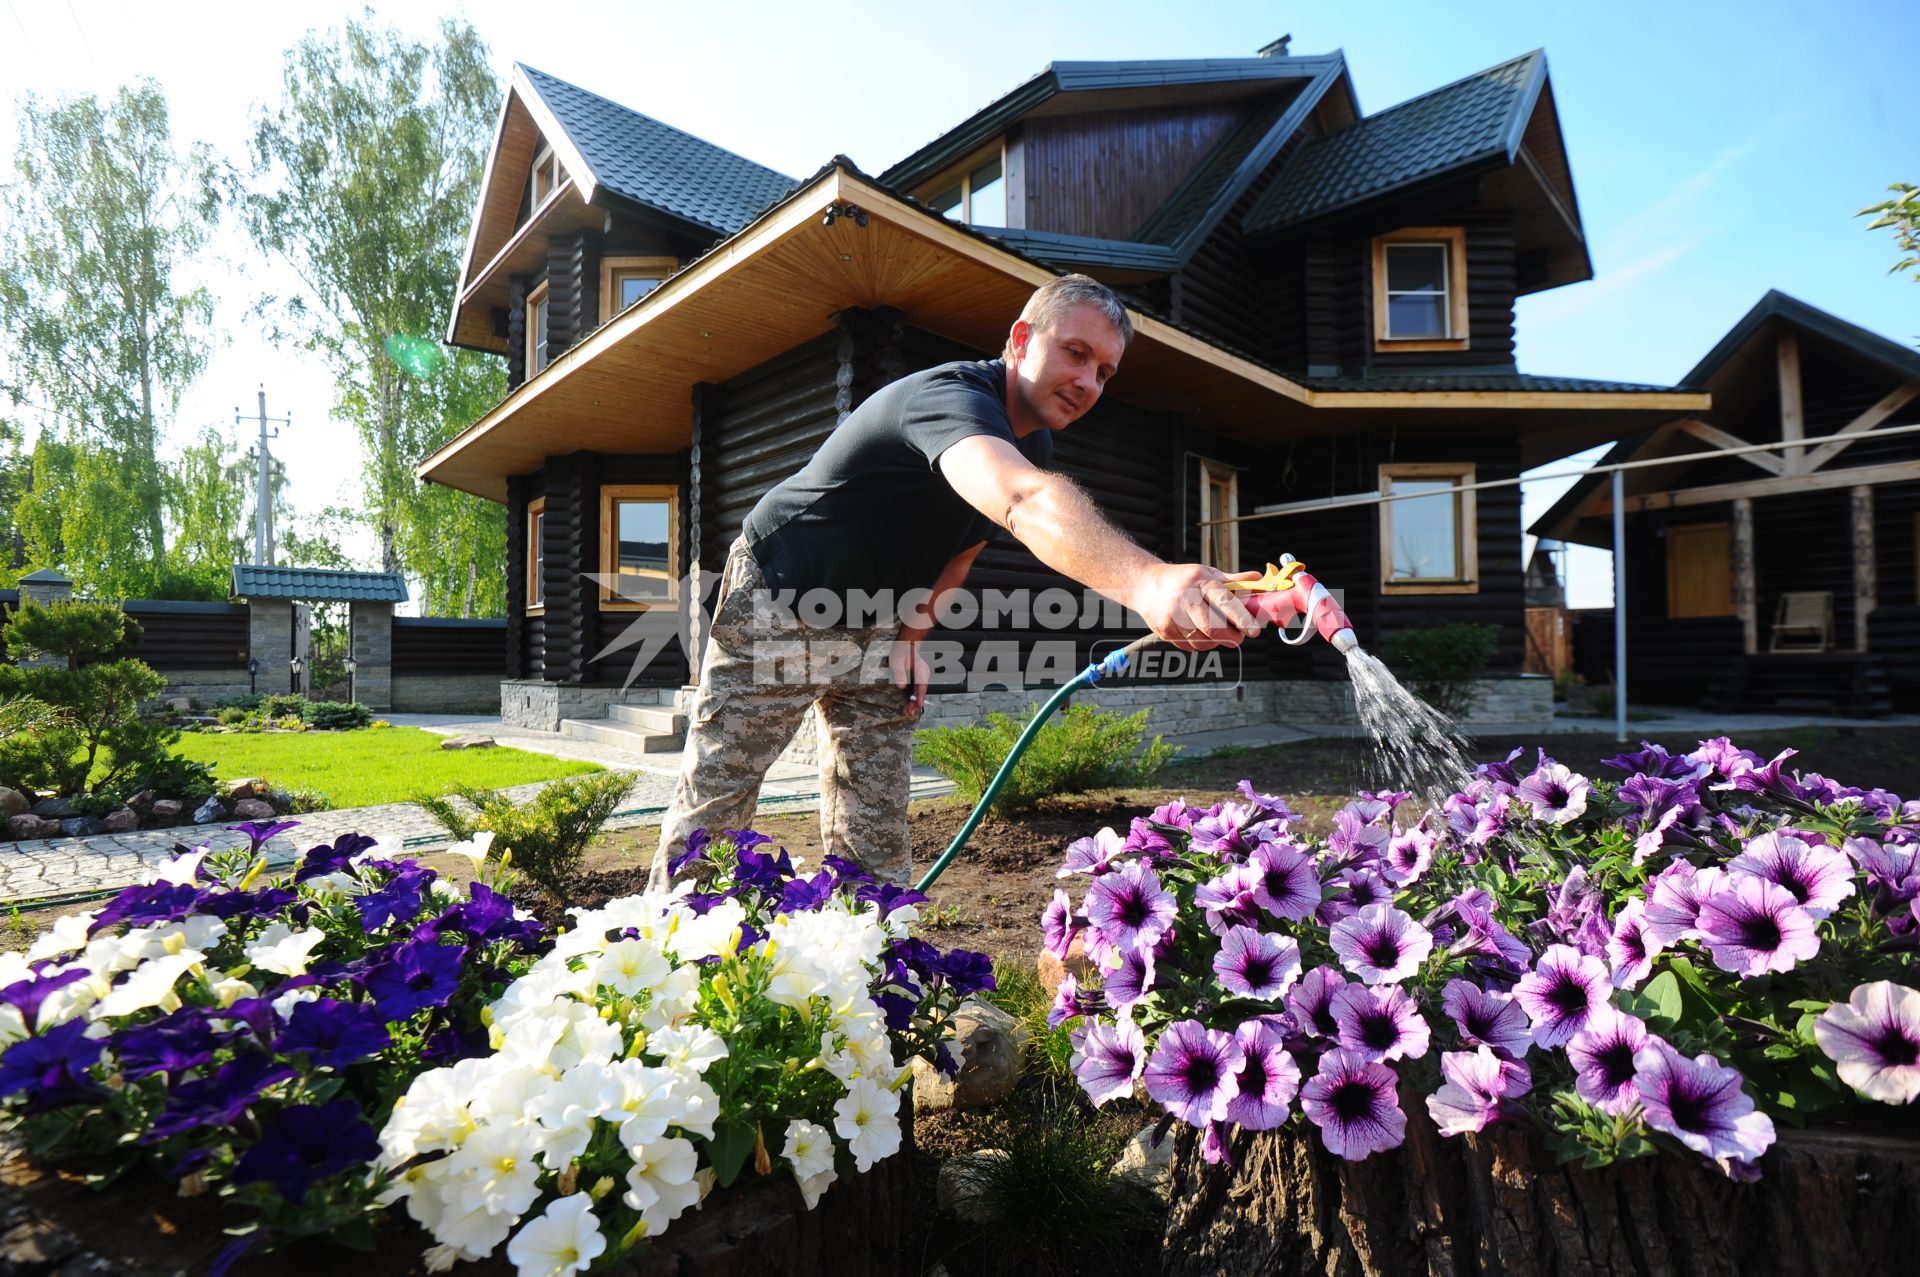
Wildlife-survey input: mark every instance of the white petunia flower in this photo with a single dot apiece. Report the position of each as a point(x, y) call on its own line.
point(179, 871)
point(67, 935)
point(631, 967)
point(707, 935)
point(475, 849)
point(692, 1048)
point(493, 1170)
point(673, 1000)
point(810, 1189)
point(151, 985)
point(230, 990)
point(564, 1241)
point(661, 1170)
point(809, 1149)
point(867, 1118)
point(284, 1003)
point(282, 950)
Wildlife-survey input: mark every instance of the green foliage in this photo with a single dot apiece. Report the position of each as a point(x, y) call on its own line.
point(100, 739)
point(1901, 214)
point(1563, 683)
point(1442, 663)
point(1082, 748)
point(1018, 991)
point(292, 712)
point(69, 629)
point(176, 777)
point(549, 835)
point(335, 716)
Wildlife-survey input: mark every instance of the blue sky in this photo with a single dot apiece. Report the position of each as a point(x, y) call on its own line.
point(1718, 150)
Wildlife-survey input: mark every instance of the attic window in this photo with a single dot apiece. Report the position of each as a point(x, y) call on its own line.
point(978, 197)
point(537, 347)
point(1420, 289)
point(547, 175)
point(625, 280)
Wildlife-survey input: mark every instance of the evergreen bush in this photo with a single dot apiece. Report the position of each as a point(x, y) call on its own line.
point(100, 739)
point(1442, 664)
point(1082, 749)
point(549, 835)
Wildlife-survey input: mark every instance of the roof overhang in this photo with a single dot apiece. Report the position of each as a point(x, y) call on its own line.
point(781, 281)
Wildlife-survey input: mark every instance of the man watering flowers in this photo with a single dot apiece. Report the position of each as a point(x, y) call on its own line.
point(898, 502)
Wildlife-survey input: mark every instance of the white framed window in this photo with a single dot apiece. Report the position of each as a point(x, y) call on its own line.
point(978, 194)
point(1429, 535)
point(1219, 500)
point(537, 345)
point(625, 280)
point(547, 176)
point(536, 555)
point(639, 545)
point(1420, 289)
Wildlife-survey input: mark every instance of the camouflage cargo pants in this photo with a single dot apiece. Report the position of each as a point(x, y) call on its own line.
point(761, 673)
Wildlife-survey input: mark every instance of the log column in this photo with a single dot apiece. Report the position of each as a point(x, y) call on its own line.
point(1866, 585)
point(1745, 596)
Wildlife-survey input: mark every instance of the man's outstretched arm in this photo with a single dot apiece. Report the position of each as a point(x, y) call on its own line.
point(1183, 603)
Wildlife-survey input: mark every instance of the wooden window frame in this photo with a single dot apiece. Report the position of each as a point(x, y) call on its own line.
point(1726, 530)
point(1210, 471)
point(611, 494)
point(1466, 524)
point(613, 268)
point(537, 297)
point(961, 174)
point(536, 602)
point(1454, 239)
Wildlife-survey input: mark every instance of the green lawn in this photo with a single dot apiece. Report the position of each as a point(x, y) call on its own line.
point(377, 765)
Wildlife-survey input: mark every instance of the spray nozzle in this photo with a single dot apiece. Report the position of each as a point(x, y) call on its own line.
point(1287, 589)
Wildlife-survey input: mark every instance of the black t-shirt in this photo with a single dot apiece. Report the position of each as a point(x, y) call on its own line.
point(871, 510)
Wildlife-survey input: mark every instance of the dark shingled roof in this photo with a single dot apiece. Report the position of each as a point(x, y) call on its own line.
point(252, 581)
point(640, 159)
point(1191, 205)
point(1468, 122)
point(1480, 379)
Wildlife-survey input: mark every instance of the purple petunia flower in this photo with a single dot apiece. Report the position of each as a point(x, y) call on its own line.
point(1069, 1001)
point(1504, 773)
point(1059, 925)
point(1630, 950)
point(967, 971)
point(308, 1142)
point(1818, 877)
point(1481, 937)
point(1381, 944)
point(1720, 756)
point(1894, 868)
point(695, 849)
point(1379, 1024)
point(258, 833)
point(1288, 886)
point(1352, 890)
point(1108, 1060)
point(172, 1044)
point(398, 901)
point(1654, 760)
point(334, 1034)
point(1700, 1103)
point(1561, 993)
point(1131, 980)
point(1225, 833)
point(1556, 793)
point(52, 1067)
point(1265, 806)
point(1144, 839)
point(220, 1100)
point(1477, 820)
point(1874, 1038)
point(1486, 1018)
point(1231, 900)
point(1408, 855)
point(415, 975)
point(1092, 855)
point(804, 895)
point(1311, 1002)
point(1129, 907)
point(1174, 815)
point(1674, 898)
point(1603, 1054)
point(765, 871)
point(1267, 1081)
point(1354, 839)
point(1192, 1069)
point(1255, 965)
point(1478, 1085)
point(1659, 805)
point(1355, 1104)
point(1751, 927)
point(333, 858)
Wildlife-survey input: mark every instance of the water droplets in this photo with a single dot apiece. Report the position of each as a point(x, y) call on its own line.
point(1415, 746)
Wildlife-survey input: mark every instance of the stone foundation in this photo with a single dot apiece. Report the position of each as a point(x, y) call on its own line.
point(540, 706)
point(446, 693)
point(205, 687)
point(1526, 701)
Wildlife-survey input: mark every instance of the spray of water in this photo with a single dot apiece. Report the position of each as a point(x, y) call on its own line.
point(1415, 746)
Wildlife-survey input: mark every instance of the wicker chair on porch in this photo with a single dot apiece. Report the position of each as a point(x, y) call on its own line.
point(1803, 622)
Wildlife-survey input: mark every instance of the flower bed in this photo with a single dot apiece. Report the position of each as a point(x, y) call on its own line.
point(362, 1034)
point(1683, 962)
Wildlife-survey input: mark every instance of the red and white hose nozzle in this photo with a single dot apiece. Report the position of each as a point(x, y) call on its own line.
point(1288, 590)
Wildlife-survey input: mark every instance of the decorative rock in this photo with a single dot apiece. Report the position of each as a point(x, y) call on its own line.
point(31, 826)
point(180, 704)
point(250, 787)
point(468, 742)
point(12, 802)
point(53, 808)
point(1053, 970)
point(209, 812)
point(167, 810)
point(1146, 1164)
point(253, 809)
point(990, 1046)
point(961, 1190)
point(142, 802)
point(82, 826)
point(124, 821)
point(282, 801)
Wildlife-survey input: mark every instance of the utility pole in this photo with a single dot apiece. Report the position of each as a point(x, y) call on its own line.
point(263, 502)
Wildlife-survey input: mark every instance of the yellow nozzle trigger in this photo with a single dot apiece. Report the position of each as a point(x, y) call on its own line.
point(1276, 578)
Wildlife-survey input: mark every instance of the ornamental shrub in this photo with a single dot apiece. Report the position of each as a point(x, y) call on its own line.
point(1672, 962)
point(176, 777)
point(1082, 749)
point(102, 739)
point(335, 716)
point(1442, 663)
point(548, 835)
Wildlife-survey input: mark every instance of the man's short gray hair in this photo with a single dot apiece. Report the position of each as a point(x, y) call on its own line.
point(1055, 297)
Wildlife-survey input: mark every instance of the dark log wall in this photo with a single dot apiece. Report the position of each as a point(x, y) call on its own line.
point(442, 645)
point(525, 633)
point(1228, 290)
point(1103, 173)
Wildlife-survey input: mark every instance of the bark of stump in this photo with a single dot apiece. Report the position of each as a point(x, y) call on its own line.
point(1844, 1202)
point(52, 1223)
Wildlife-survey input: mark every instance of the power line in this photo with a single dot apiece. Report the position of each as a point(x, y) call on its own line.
point(84, 42)
point(31, 51)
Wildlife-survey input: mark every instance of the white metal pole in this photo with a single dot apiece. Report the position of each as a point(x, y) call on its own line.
point(1619, 612)
point(262, 549)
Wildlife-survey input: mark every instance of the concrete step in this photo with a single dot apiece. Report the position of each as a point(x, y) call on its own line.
point(607, 732)
point(656, 718)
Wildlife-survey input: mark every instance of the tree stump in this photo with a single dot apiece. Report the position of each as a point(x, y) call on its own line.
point(1843, 1201)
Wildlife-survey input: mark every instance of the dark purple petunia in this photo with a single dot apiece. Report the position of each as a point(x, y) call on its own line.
point(1480, 936)
point(1129, 907)
point(1311, 1002)
point(887, 896)
point(1289, 884)
point(1355, 1104)
point(919, 956)
point(484, 916)
point(1144, 839)
point(398, 900)
point(1487, 1018)
point(1132, 979)
point(52, 1068)
point(257, 1014)
point(454, 1043)
point(258, 904)
point(258, 833)
point(220, 1100)
point(1265, 806)
point(185, 1039)
point(1603, 1054)
point(1192, 1069)
point(1379, 1023)
point(846, 870)
point(306, 1143)
point(1659, 807)
point(147, 904)
point(804, 895)
point(334, 1034)
point(1070, 1000)
point(26, 996)
point(1381, 944)
point(1751, 927)
point(695, 849)
point(1565, 988)
point(1768, 779)
point(1504, 773)
point(1654, 760)
point(1252, 964)
point(1478, 1086)
point(1107, 1060)
point(758, 869)
point(1700, 1103)
point(1819, 877)
point(967, 971)
point(1059, 925)
point(415, 975)
point(1267, 1081)
point(325, 859)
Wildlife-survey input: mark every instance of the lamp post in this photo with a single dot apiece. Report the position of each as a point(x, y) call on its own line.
point(253, 675)
point(294, 666)
point(353, 687)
